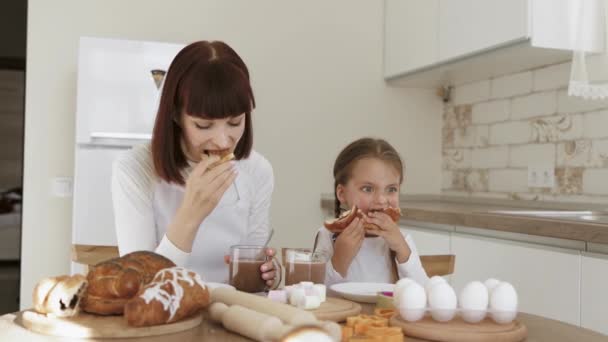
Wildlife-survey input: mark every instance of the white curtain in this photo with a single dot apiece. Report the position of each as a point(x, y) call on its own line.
point(589, 73)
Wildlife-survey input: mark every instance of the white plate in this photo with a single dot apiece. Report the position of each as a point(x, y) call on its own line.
point(361, 292)
point(216, 285)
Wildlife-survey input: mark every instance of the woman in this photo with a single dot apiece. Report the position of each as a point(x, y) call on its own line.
point(167, 198)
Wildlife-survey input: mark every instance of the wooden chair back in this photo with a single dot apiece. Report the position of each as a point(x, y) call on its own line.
point(440, 265)
point(90, 254)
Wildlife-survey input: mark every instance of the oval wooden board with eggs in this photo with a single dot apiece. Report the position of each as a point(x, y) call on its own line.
point(336, 309)
point(85, 325)
point(457, 330)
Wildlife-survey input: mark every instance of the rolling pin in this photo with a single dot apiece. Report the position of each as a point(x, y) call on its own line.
point(262, 327)
point(247, 322)
point(287, 313)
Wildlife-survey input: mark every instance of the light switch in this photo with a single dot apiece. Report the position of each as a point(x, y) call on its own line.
point(541, 176)
point(61, 187)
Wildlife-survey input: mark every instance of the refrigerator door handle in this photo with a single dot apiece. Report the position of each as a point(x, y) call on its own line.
point(117, 139)
point(120, 136)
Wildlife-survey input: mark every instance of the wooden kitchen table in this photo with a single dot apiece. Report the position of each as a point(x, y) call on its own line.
point(540, 329)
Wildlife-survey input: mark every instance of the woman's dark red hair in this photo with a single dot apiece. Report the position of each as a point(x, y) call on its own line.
point(207, 80)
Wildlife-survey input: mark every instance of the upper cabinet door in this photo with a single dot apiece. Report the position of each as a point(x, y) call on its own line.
point(471, 26)
point(411, 35)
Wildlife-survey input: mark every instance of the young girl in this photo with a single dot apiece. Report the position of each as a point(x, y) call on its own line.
point(368, 173)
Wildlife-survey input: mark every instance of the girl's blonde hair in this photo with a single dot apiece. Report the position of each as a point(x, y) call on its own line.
point(360, 149)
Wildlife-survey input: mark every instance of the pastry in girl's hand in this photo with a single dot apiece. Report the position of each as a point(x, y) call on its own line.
point(174, 293)
point(339, 224)
point(59, 296)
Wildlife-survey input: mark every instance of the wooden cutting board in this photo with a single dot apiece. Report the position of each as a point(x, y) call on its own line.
point(458, 330)
point(85, 325)
point(336, 309)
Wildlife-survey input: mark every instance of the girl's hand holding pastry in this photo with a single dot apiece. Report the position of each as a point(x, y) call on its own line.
point(384, 226)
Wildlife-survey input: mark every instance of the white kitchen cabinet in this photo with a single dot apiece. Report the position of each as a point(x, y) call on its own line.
point(547, 279)
point(594, 306)
point(404, 50)
point(429, 44)
point(469, 26)
point(429, 241)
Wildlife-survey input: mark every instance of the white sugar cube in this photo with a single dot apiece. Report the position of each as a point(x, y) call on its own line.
point(320, 291)
point(309, 302)
point(278, 296)
point(295, 296)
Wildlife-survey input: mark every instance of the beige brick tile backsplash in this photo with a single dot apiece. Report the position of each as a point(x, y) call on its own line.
point(492, 157)
point(515, 132)
point(493, 130)
point(557, 127)
point(537, 104)
point(551, 77)
point(511, 85)
point(595, 181)
point(508, 180)
point(464, 137)
point(574, 153)
point(491, 111)
point(471, 92)
point(572, 104)
point(482, 136)
point(595, 124)
point(531, 154)
point(599, 154)
point(457, 159)
point(446, 179)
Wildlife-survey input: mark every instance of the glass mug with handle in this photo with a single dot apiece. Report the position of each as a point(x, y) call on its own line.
point(301, 264)
point(244, 268)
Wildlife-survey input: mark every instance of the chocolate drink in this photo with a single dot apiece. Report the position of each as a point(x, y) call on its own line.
point(246, 276)
point(298, 271)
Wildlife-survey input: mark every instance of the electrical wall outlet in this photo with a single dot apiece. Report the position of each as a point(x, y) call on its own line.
point(541, 176)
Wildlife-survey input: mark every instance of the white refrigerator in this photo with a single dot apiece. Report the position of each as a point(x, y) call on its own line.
point(119, 84)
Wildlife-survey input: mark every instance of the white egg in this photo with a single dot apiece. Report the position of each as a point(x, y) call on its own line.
point(503, 303)
point(412, 302)
point(491, 283)
point(473, 301)
point(399, 286)
point(442, 302)
point(432, 281)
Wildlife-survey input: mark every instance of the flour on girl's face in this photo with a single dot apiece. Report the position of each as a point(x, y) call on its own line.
point(171, 276)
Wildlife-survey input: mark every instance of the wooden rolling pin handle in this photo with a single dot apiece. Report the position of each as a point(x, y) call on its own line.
point(249, 323)
point(287, 313)
point(216, 311)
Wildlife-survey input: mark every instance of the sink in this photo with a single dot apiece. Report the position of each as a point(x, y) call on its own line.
point(571, 215)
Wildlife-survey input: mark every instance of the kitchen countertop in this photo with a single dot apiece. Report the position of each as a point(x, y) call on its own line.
point(482, 213)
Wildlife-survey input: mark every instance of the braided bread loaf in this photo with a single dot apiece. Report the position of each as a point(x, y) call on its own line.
point(174, 293)
point(113, 282)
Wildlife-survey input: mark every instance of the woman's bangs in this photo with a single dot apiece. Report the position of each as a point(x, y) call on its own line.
point(215, 90)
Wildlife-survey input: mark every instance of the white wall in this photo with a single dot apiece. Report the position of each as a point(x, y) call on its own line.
point(316, 69)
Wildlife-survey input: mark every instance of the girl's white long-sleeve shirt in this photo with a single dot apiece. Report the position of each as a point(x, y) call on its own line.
point(144, 206)
point(373, 262)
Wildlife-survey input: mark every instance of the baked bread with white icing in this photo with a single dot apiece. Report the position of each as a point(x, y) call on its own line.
point(174, 293)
